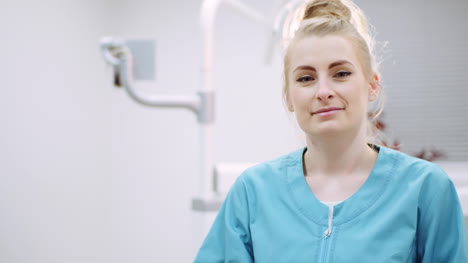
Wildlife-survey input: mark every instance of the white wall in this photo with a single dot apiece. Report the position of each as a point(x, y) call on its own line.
point(87, 175)
point(54, 135)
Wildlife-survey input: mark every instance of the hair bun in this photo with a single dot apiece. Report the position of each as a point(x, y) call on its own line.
point(333, 9)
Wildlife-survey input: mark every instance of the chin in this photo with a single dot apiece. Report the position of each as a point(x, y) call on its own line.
point(326, 130)
point(334, 129)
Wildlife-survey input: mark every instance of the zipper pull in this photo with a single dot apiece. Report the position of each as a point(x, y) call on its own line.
point(330, 221)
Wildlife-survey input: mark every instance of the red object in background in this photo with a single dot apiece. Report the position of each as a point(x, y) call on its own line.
point(428, 155)
point(395, 145)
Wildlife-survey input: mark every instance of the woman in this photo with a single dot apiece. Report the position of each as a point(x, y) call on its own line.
point(340, 199)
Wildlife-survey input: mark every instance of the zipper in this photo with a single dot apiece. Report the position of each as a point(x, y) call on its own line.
point(328, 232)
point(324, 254)
point(327, 236)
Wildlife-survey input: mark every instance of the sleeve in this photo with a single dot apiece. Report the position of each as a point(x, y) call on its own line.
point(442, 234)
point(229, 238)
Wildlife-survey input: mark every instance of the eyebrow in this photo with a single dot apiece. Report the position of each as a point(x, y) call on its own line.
point(339, 63)
point(332, 65)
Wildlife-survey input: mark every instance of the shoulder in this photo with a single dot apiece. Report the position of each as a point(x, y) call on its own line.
point(272, 170)
point(264, 181)
point(412, 165)
point(412, 170)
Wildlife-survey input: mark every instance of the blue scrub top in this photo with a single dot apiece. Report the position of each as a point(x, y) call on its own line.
point(406, 211)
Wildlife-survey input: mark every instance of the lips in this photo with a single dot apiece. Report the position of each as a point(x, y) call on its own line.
point(327, 110)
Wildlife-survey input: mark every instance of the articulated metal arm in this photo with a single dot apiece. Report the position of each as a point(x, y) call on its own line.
point(117, 54)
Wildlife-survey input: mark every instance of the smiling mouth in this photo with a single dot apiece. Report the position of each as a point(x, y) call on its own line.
point(327, 110)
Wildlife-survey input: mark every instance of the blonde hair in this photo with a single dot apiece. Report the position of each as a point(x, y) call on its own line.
point(339, 17)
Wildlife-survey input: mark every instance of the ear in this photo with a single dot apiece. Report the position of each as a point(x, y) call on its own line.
point(374, 87)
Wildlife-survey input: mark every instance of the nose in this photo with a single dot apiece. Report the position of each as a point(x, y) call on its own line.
point(324, 91)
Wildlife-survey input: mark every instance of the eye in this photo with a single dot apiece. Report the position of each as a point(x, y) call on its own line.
point(306, 78)
point(343, 74)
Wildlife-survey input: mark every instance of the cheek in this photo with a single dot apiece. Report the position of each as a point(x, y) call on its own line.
point(357, 100)
point(301, 102)
point(361, 91)
point(360, 103)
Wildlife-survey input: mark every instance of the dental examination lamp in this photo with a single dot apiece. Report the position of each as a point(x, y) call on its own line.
point(120, 55)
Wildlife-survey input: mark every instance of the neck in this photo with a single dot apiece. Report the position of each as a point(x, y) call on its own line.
point(338, 155)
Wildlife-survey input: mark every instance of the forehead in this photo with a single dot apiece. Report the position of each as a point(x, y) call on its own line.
point(321, 51)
